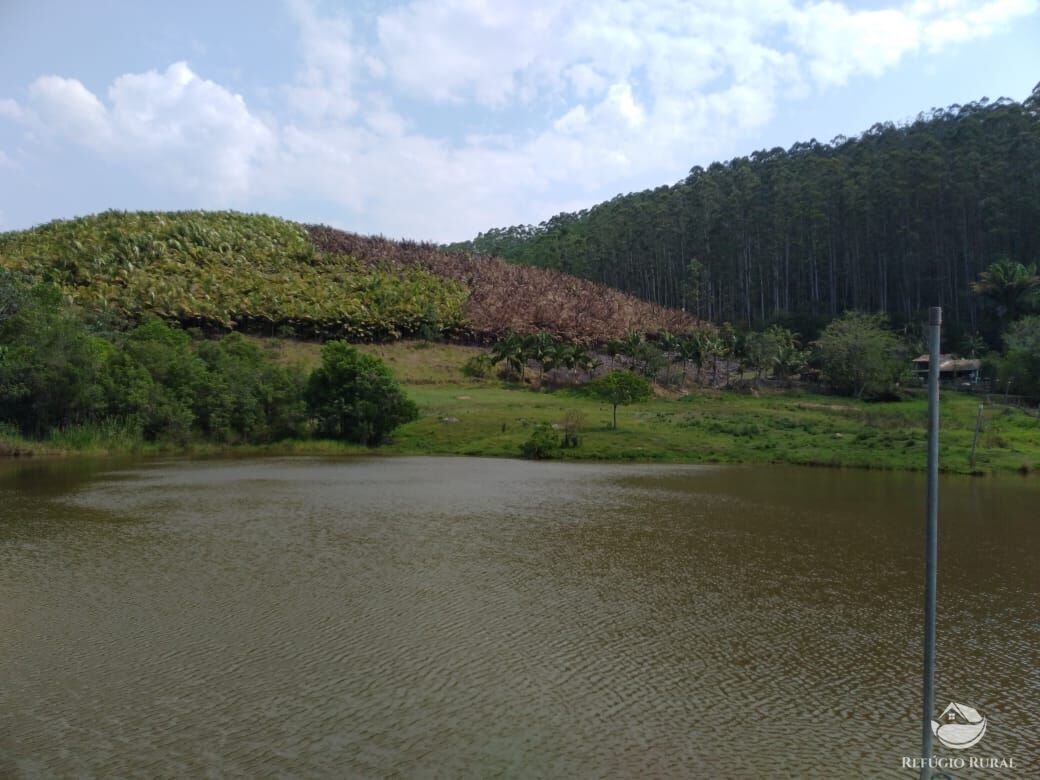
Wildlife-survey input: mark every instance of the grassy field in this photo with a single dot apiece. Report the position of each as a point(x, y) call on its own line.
point(461, 416)
point(719, 427)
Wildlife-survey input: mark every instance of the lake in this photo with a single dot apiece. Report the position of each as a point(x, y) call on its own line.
point(303, 617)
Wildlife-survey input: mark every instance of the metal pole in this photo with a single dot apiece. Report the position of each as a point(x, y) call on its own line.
point(931, 547)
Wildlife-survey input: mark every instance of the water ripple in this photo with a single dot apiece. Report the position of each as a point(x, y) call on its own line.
point(452, 617)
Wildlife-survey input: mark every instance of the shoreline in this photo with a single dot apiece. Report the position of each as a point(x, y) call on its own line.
point(488, 417)
point(40, 451)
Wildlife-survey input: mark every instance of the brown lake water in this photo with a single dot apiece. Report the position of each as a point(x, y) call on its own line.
point(460, 617)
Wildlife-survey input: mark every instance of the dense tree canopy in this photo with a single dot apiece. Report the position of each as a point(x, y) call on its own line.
point(355, 397)
point(1011, 287)
point(859, 356)
point(58, 369)
point(1020, 369)
point(895, 220)
point(62, 368)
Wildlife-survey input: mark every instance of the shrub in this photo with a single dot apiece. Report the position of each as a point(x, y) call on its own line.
point(355, 397)
point(1020, 368)
point(478, 366)
point(572, 422)
point(541, 445)
point(859, 357)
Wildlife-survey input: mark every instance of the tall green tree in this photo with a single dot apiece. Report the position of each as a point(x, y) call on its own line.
point(354, 396)
point(895, 219)
point(1011, 287)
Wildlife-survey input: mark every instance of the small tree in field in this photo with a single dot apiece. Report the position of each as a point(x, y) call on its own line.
point(621, 388)
point(355, 397)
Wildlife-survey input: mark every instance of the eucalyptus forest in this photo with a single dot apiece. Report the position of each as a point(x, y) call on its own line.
point(894, 220)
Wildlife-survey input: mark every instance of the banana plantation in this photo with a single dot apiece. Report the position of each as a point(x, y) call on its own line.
point(225, 271)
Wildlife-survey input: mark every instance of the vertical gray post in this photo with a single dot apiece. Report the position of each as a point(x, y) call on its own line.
point(931, 546)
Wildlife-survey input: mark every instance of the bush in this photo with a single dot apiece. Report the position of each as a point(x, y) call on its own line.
point(541, 445)
point(572, 422)
point(1020, 368)
point(859, 357)
point(355, 397)
point(478, 366)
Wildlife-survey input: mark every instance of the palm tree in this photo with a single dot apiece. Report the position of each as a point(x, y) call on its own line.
point(589, 363)
point(541, 348)
point(690, 350)
point(560, 356)
point(631, 343)
point(668, 344)
point(973, 345)
point(510, 350)
point(1009, 285)
point(573, 357)
point(788, 360)
point(712, 348)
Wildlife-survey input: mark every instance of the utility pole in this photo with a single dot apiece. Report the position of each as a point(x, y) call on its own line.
point(931, 547)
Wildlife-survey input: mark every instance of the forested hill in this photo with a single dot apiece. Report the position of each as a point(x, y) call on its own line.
point(229, 271)
point(897, 219)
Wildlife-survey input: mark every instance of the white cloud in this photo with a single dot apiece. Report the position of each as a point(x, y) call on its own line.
point(184, 129)
point(66, 107)
point(10, 109)
point(838, 43)
point(573, 121)
point(590, 94)
point(332, 64)
point(490, 51)
point(619, 101)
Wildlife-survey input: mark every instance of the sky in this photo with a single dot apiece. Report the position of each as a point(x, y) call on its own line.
point(437, 119)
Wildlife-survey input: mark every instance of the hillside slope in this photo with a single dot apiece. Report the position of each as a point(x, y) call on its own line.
point(505, 297)
point(225, 270)
point(897, 219)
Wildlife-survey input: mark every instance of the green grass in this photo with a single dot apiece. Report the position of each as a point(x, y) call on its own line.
point(104, 439)
point(461, 416)
point(721, 427)
point(413, 362)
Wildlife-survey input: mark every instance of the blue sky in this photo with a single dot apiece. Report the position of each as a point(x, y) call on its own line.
point(435, 119)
